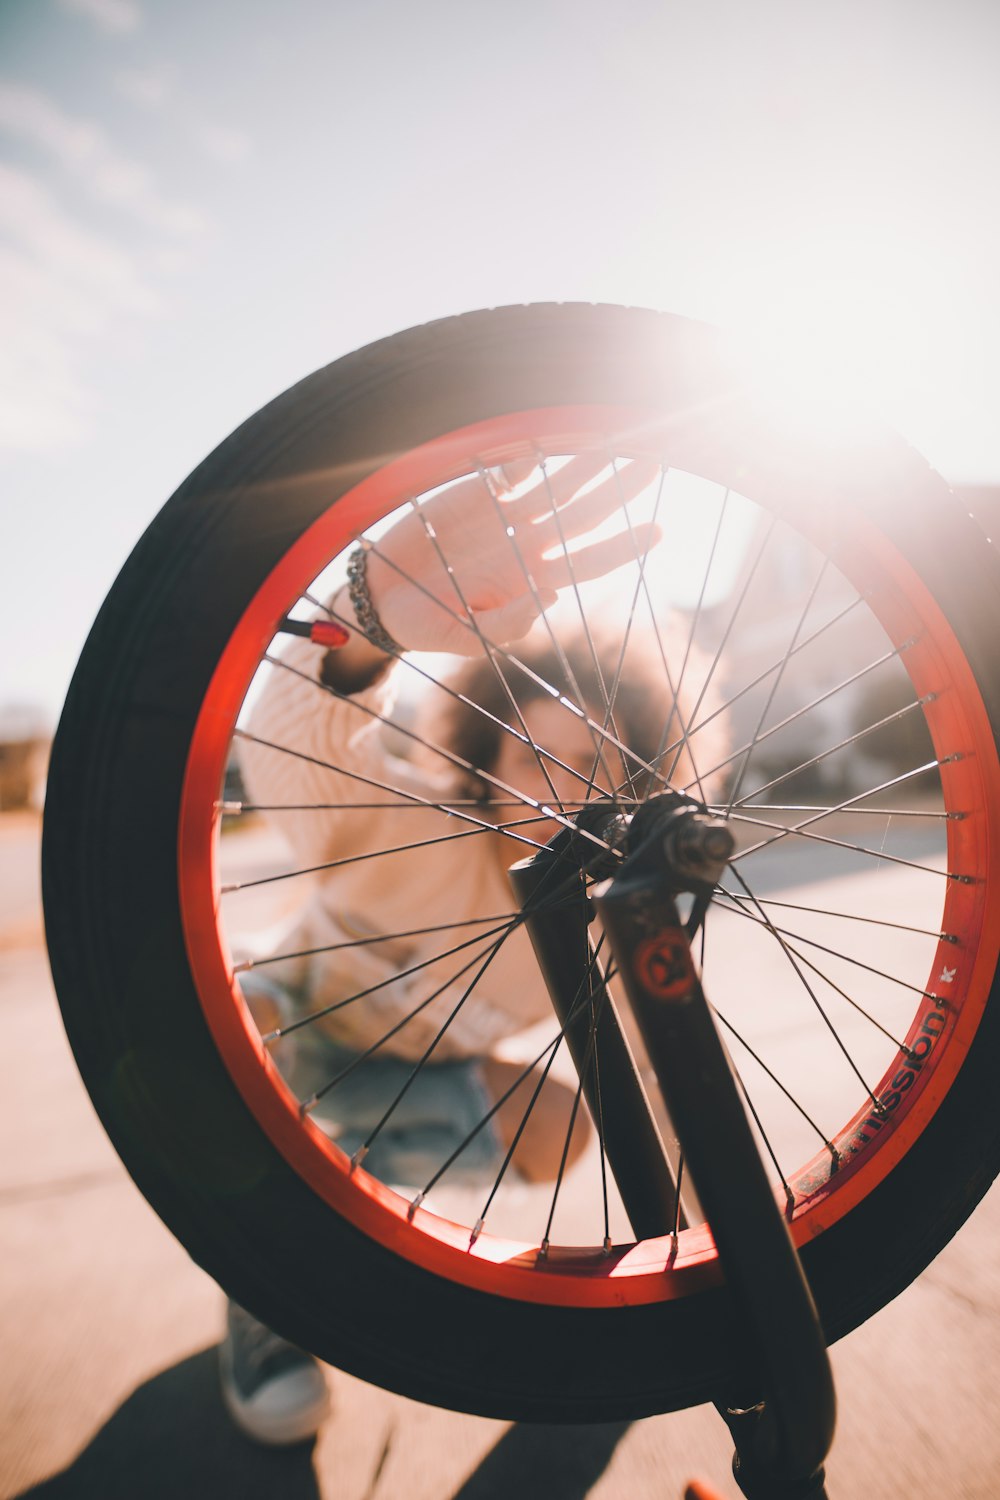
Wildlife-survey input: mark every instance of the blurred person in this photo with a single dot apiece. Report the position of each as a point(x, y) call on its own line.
point(330, 706)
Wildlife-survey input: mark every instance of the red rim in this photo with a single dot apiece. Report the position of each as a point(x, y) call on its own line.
point(870, 1143)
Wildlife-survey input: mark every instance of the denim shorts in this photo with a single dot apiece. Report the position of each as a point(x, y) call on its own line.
point(440, 1113)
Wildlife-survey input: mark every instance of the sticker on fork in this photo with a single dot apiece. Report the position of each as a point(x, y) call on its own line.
point(663, 964)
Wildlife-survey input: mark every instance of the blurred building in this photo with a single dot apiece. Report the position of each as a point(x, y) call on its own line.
point(25, 738)
point(803, 669)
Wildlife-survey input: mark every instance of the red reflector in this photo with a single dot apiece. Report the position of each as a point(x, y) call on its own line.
point(329, 633)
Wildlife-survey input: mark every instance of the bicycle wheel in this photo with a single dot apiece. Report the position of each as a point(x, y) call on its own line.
point(821, 618)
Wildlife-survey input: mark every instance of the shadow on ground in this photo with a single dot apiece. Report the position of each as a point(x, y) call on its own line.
point(173, 1437)
point(544, 1463)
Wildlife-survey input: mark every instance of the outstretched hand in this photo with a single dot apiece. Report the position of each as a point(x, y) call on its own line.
point(474, 563)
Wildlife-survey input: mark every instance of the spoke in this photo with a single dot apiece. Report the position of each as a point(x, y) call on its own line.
point(850, 739)
point(849, 916)
point(846, 805)
point(523, 1123)
point(547, 687)
point(640, 584)
point(729, 703)
point(368, 1052)
point(511, 1149)
point(499, 920)
point(823, 838)
point(382, 786)
point(778, 1083)
point(561, 657)
point(596, 1006)
point(526, 1072)
point(353, 859)
point(696, 614)
point(674, 1233)
point(665, 749)
point(626, 634)
point(756, 737)
point(789, 1195)
point(808, 988)
point(847, 958)
point(588, 1059)
point(234, 809)
point(524, 738)
point(426, 963)
point(488, 649)
point(675, 692)
point(861, 812)
point(448, 755)
point(807, 708)
point(509, 919)
point(686, 731)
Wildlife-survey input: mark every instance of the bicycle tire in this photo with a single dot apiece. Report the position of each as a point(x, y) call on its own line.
point(119, 940)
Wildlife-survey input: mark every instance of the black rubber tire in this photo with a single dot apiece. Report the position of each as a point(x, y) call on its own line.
point(111, 886)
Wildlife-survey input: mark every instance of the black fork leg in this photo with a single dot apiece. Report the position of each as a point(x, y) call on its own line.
point(782, 1438)
point(554, 902)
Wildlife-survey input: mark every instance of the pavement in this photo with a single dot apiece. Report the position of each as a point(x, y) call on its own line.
point(109, 1334)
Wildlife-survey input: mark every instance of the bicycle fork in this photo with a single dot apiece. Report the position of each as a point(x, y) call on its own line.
point(672, 846)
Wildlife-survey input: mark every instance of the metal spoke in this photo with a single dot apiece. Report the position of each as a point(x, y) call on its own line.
point(547, 687)
point(454, 809)
point(823, 838)
point(807, 708)
point(664, 749)
point(861, 812)
point(353, 859)
point(808, 989)
point(234, 809)
point(449, 755)
point(729, 703)
point(764, 921)
point(526, 1072)
point(524, 1121)
point(850, 739)
point(426, 963)
point(612, 693)
point(394, 1030)
point(675, 692)
point(686, 731)
point(626, 633)
point(488, 649)
point(756, 736)
point(850, 916)
point(596, 1006)
point(588, 1058)
point(498, 920)
point(778, 1083)
point(561, 657)
point(524, 738)
point(789, 1195)
point(846, 805)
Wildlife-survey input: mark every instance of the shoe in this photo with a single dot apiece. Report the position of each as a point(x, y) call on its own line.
point(275, 1392)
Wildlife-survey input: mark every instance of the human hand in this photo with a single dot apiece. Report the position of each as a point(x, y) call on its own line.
point(506, 555)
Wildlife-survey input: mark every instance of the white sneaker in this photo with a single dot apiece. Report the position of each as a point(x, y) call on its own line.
point(275, 1392)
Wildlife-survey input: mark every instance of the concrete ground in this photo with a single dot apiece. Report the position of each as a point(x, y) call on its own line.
point(108, 1331)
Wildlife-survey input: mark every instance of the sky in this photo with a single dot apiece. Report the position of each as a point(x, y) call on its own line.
point(202, 202)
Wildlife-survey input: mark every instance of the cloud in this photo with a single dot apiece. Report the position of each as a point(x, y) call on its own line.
point(29, 214)
point(85, 148)
point(61, 287)
point(224, 143)
point(116, 17)
point(148, 89)
point(153, 90)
